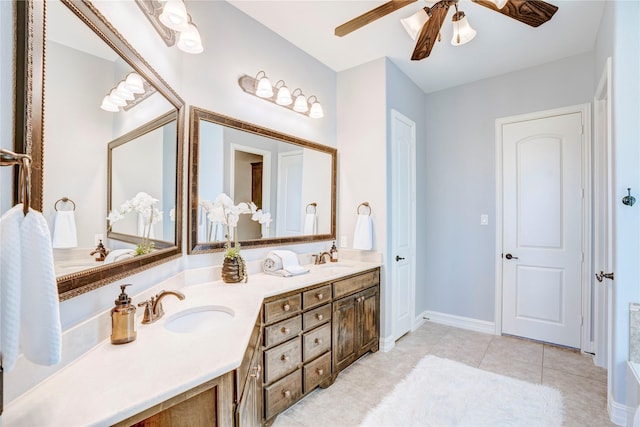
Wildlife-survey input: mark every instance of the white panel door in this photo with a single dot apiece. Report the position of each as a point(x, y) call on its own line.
point(403, 159)
point(289, 213)
point(542, 229)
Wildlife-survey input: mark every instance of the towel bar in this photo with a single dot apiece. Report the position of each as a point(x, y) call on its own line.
point(365, 204)
point(64, 200)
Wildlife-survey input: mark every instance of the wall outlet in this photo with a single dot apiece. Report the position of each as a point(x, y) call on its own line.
point(484, 219)
point(97, 238)
point(343, 241)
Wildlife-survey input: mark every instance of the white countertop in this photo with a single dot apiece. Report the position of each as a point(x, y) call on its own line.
point(113, 382)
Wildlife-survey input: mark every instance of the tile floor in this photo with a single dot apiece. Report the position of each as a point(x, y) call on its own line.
point(364, 384)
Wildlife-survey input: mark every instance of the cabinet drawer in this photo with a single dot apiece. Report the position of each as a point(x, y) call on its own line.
point(316, 342)
point(282, 308)
point(282, 394)
point(316, 316)
point(356, 283)
point(316, 297)
point(281, 360)
point(316, 372)
point(282, 331)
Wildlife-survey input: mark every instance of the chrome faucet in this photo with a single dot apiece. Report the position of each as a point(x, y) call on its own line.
point(153, 307)
point(319, 259)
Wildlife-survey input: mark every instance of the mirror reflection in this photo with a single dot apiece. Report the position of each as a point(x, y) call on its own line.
point(291, 179)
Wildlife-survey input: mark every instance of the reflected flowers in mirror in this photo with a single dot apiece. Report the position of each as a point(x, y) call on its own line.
point(148, 215)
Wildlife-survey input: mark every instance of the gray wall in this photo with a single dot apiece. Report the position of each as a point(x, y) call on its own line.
point(6, 98)
point(459, 186)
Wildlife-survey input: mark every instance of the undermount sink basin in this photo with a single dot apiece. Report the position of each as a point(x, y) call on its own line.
point(198, 319)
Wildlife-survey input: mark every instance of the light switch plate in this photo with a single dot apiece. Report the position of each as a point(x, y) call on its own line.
point(343, 241)
point(484, 219)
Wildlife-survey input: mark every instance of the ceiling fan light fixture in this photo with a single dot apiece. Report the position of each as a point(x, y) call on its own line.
point(414, 23)
point(264, 88)
point(462, 31)
point(499, 3)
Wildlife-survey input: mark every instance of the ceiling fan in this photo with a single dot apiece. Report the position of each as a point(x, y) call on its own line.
point(424, 26)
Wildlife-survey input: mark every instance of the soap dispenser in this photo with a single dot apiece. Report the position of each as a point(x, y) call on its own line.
point(123, 316)
point(333, 252)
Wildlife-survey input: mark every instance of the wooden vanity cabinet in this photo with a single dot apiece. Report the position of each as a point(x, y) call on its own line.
point(248, 410)
point(356, 318)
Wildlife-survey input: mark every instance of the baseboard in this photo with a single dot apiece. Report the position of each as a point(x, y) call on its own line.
point(386, 344)
point(459, 322)
point(617, 412)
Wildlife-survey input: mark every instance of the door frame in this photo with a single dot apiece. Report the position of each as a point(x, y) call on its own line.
point(585, 110)
point(397, 116)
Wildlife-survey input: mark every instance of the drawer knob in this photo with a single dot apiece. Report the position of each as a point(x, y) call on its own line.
point(286, 306)
point(286, 393)
point(285, 357)
point(319, 316)
point(320, 371)
point(318, 341)
point(319, 296)
point(285, 330)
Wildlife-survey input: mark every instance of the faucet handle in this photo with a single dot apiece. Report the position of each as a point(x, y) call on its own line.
point(148, 310)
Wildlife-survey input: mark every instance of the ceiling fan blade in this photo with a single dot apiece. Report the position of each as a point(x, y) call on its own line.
point(531, 12)
point(429, 33)
point(372, 15)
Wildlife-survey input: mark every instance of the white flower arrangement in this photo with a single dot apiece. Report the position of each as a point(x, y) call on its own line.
point(144, 205)
point(223, 211)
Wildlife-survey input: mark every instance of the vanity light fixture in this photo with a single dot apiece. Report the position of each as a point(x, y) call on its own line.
point(260, 86)
point(172, 22)
point(127, 93)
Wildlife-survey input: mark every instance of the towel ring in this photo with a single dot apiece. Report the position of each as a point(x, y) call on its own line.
point(64, 200)
point(9, 158)
point(365, 204)
point(314, 205)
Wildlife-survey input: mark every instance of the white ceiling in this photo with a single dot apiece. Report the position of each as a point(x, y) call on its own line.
point(501, 46)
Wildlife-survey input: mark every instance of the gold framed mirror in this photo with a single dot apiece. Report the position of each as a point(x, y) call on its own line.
point(68, 59)
point(292, 179)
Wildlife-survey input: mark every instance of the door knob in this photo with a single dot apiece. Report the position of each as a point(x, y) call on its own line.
point(509, 256)
point(602, 275)
point(399, 258)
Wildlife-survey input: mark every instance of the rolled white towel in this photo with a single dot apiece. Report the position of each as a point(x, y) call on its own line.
point(119, 255)
point(64, 230)
point(363, 234)
point(272, 263)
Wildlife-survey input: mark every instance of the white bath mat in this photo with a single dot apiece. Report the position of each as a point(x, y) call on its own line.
point(441, 392)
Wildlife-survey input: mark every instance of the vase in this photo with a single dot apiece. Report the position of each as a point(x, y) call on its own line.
point(234, 270)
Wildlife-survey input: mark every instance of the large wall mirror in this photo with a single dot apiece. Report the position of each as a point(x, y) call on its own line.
point(90, 156)
point(292, 179)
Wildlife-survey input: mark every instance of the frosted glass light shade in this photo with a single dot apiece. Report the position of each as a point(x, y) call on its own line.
point(316, 111)
point(264, 89)
point(107, 105)
point(125, 93)
point(116, 99)
point(499, 3)
point(284, 96)
point(413, 24)
point(301, 105)
point(462, 31)
point(134, 83)
point(189, 40)
point(174, 15)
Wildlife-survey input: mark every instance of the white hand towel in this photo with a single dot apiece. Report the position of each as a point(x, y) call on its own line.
point(64, 230)
point(10, 280)
point(40, 330)
point(272, 263)
point(363, 234)
point(310, 224)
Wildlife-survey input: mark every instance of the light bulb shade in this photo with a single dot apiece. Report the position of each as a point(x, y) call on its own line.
point(413, 24)
point(316, 111)
point(264, 89)
point(174, 15)
point(125, 93)
point(499, 3)
point(116, 99)
point(462, 31)
point(189, 40)
point(284, 96)
point(301, 105)
point(107, 105)
point(134, 83)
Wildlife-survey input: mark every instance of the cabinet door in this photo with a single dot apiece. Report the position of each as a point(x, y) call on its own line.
point(345, 332)
point(249, 409)
point(368, 320)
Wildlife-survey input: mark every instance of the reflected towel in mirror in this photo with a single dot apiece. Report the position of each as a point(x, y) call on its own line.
point(64, 230)
point(310, 224)
point(119, 255)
